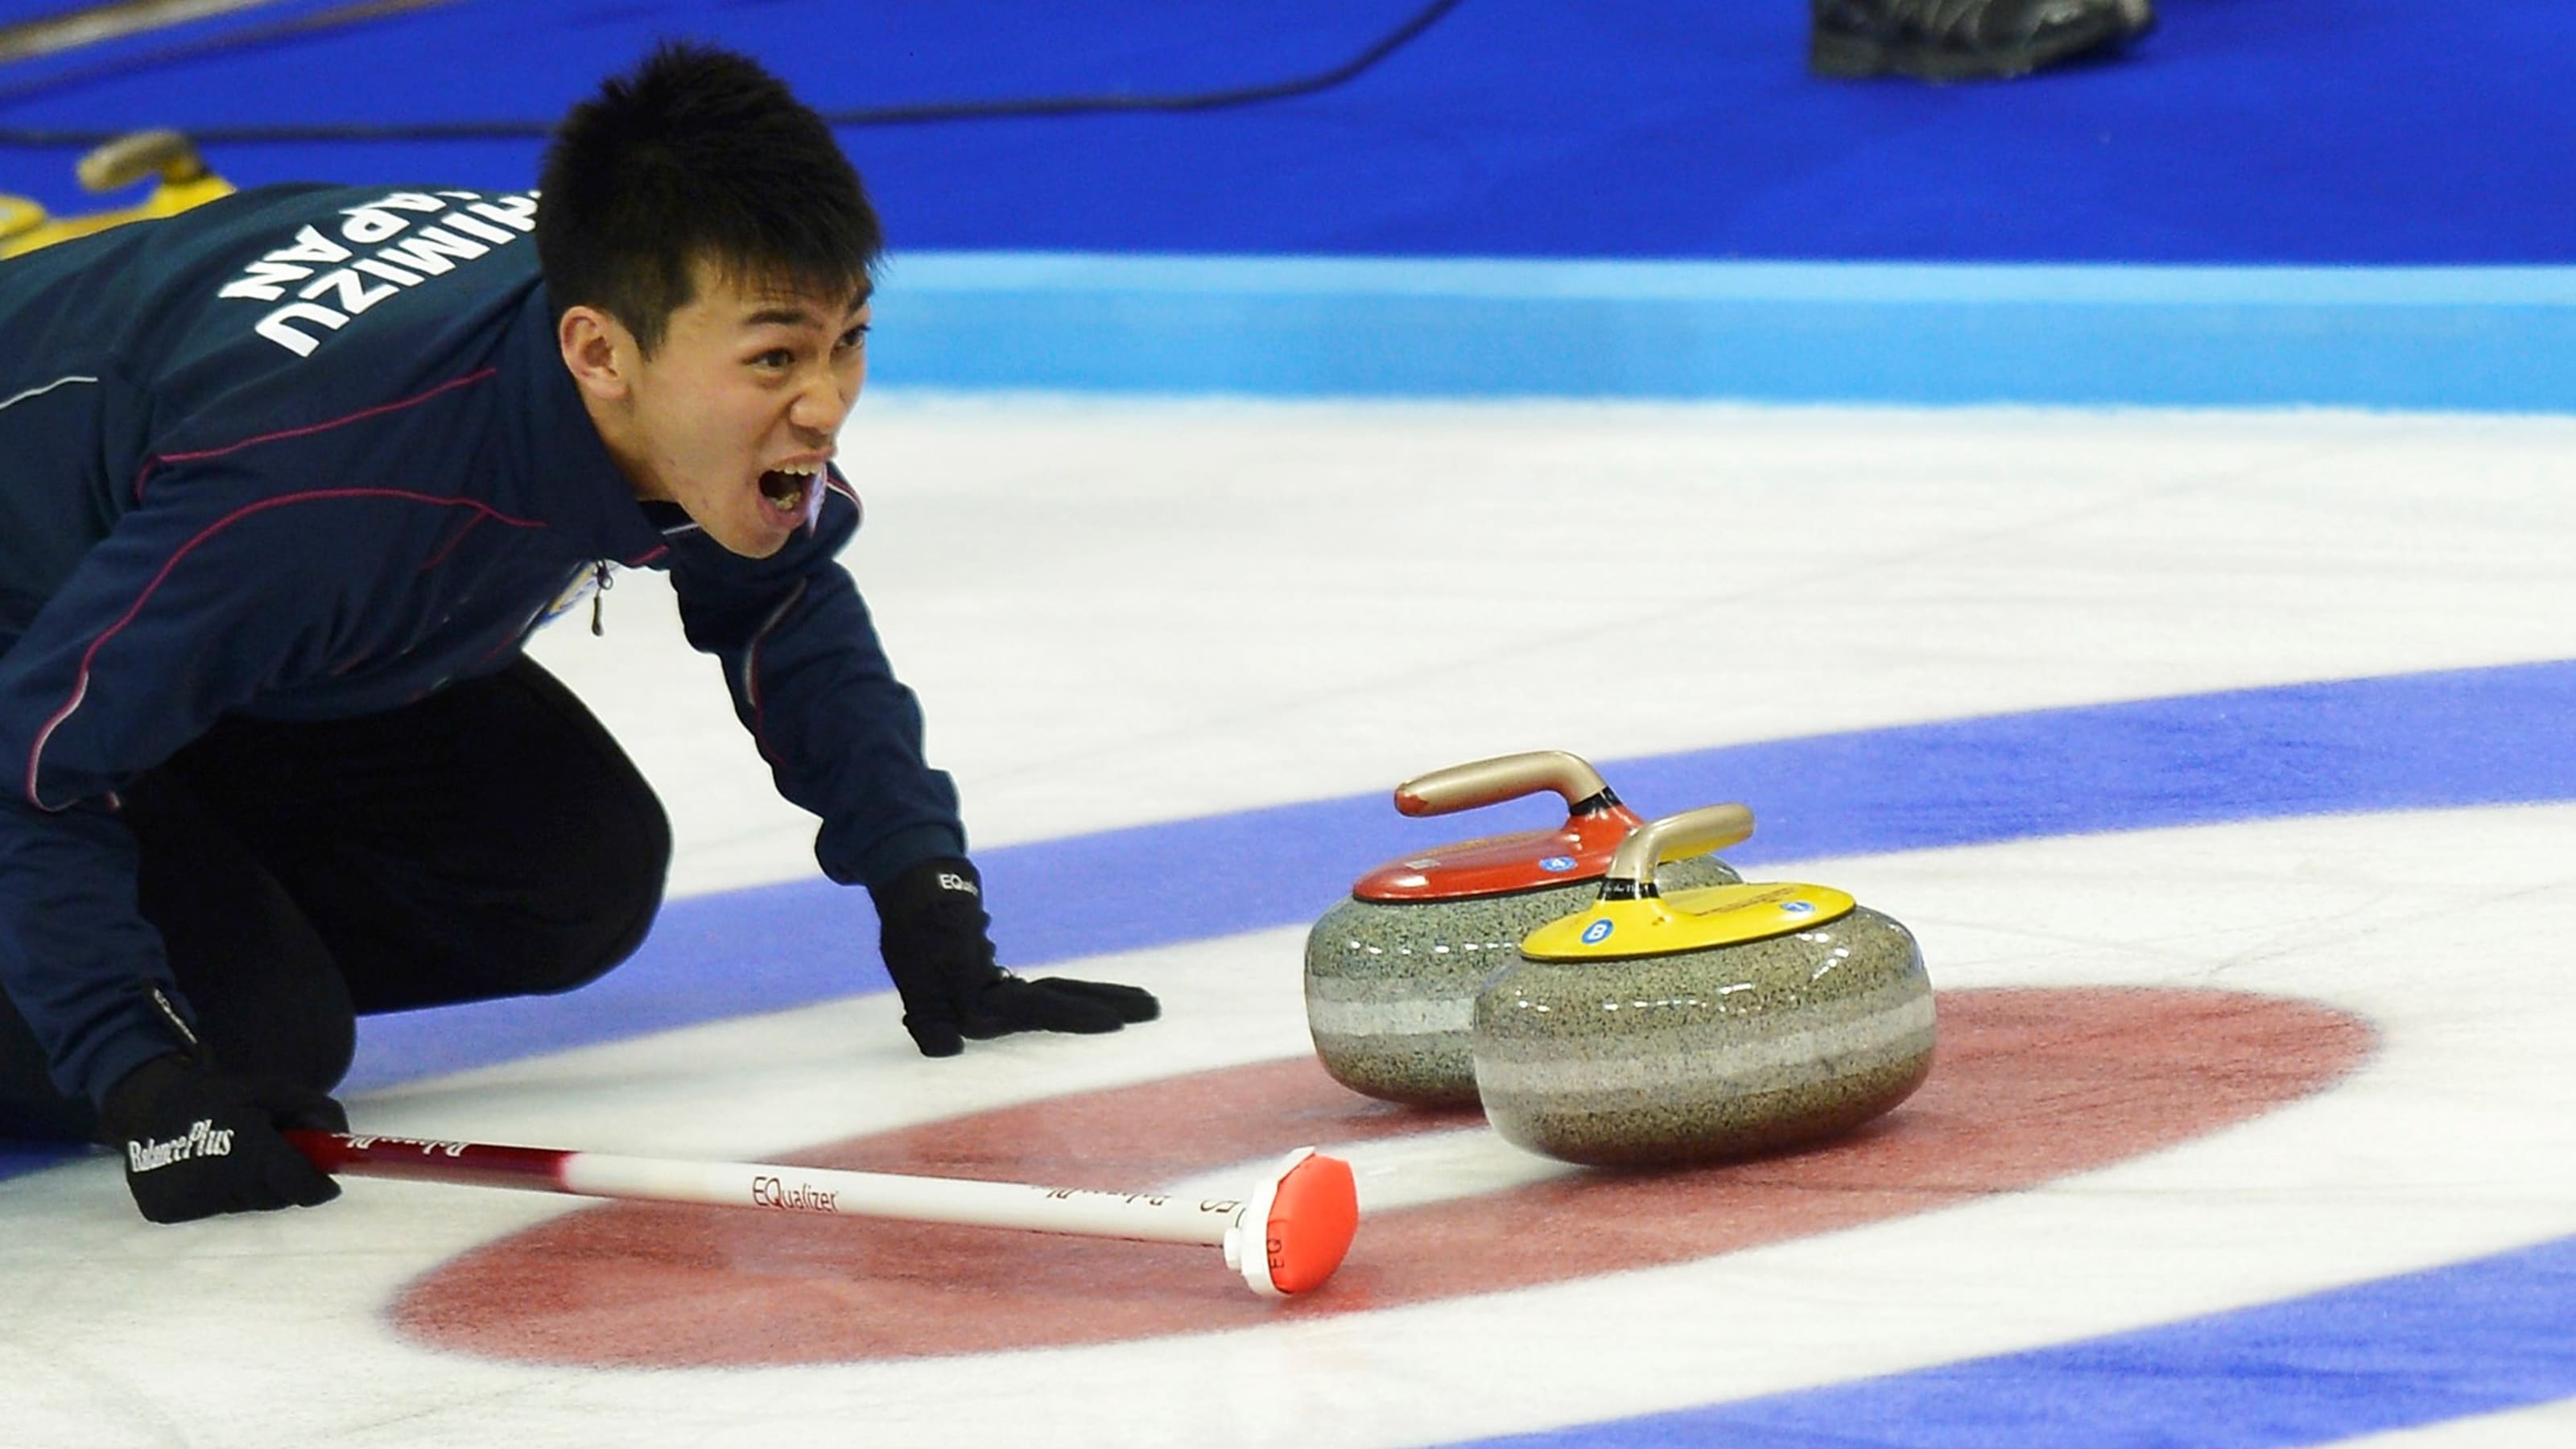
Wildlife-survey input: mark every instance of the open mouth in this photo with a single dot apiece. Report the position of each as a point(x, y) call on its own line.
point(789, 490)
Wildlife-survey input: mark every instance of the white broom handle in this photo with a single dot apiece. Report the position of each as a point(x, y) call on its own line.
point(1286, 1236)
point(1151, 1218)
point(1145, 1217)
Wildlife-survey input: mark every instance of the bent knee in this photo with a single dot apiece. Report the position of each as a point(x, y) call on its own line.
point(318, 1056)
point(574, 952)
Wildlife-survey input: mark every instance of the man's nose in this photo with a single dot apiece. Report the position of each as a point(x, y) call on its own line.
point(820, 404)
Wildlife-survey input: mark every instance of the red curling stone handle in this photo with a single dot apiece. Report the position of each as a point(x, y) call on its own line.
point(1505, 777)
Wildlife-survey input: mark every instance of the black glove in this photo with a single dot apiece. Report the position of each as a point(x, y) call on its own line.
point(199, 1141)
point(932, 930)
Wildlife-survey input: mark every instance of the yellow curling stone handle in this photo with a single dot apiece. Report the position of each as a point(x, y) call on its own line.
point(1505, 777)
point(180, 181)
point(1674, 837)
point(1633, 919)
point(166, 154)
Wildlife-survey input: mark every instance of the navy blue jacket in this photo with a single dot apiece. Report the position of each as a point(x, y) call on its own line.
point(307, 453)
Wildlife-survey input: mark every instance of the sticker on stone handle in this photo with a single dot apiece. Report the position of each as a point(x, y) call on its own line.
point(1506, 777)
point(1674, 837)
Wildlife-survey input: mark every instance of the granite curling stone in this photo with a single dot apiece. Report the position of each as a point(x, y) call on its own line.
point(1392, 972)
point(1663, 1028)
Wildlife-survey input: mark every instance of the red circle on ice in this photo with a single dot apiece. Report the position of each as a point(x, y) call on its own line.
point(2029, 1085)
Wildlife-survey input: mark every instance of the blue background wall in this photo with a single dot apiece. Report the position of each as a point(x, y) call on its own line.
point(2240, 131)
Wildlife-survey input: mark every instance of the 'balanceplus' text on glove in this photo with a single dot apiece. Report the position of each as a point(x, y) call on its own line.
point(204, 1139)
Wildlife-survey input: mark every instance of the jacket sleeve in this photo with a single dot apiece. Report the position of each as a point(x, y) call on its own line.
point(186, 610)
point(842, 735)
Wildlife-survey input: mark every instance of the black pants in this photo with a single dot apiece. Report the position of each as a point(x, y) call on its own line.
point(490, 840)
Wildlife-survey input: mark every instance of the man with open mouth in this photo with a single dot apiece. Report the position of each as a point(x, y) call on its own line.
point(287, 481)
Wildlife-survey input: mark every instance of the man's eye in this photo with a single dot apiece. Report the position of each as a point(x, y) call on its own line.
point(855, 335)
point(774, 357)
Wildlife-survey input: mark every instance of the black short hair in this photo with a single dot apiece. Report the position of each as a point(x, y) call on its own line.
point(698, 154)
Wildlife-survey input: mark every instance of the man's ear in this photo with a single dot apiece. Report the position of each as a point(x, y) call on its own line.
point(598, 351)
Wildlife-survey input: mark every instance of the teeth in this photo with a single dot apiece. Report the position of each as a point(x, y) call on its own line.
point(803, 485)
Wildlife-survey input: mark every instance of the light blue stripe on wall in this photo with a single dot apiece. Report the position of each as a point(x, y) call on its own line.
point(2469, 339)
